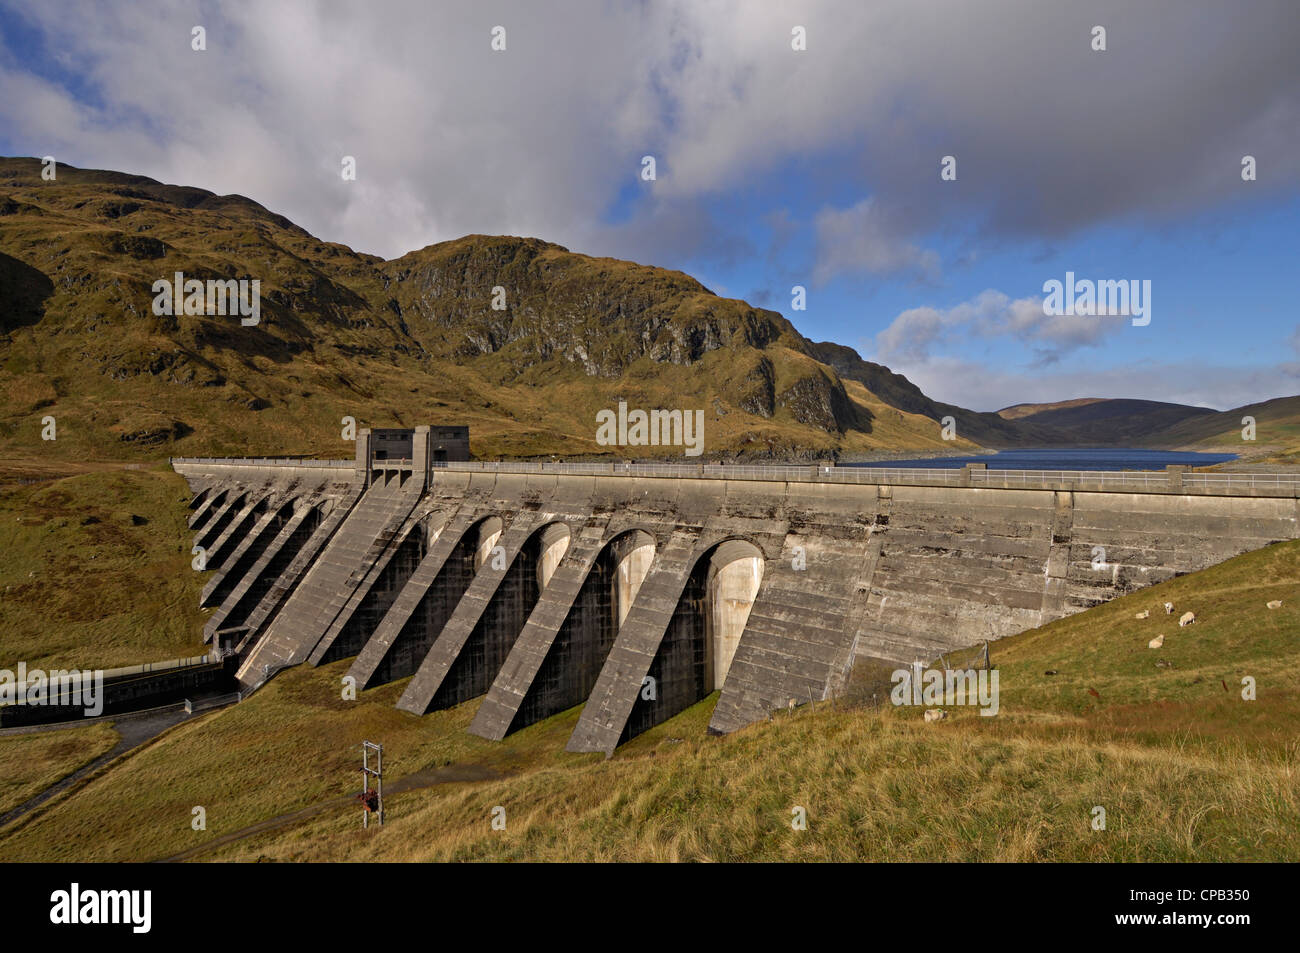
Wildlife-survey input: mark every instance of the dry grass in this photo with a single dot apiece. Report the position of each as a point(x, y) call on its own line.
point(30, 763)
point(95, 571)
point(875, 786)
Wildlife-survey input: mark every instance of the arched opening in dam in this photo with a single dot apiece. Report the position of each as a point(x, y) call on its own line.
point(504, 616)
point(421, 628)
point(700, 641)
point(245, 560)
point(576, 656)
point(381, 595)
point(275, 567)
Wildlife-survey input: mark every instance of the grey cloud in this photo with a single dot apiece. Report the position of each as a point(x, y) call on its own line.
point(451, 138)
point(1050, 136)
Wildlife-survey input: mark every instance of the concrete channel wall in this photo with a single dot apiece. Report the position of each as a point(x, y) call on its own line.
point(448, 572)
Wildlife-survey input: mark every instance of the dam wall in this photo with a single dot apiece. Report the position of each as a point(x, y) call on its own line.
point(637, 590)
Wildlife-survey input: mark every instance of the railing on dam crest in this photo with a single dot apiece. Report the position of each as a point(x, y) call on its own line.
point(1282, 484)
point(1175, 480)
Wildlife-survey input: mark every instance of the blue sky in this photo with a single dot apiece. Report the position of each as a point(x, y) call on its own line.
point(775, 167)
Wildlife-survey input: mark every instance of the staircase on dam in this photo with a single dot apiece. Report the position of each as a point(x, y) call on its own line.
point(331, 590)
point(282, 578)
point(636, 591)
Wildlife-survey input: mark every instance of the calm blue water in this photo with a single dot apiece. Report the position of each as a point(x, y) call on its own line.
point(1107, 458)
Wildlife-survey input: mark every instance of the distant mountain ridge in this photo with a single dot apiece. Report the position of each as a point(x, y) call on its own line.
point(519, 338)
point(1095, 421)
point(344, 334)
point(1019, 411)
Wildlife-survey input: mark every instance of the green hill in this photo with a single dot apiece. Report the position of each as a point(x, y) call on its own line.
point(389, 343)
point(418, 339)
point(1094, 421)
point(1277, 431)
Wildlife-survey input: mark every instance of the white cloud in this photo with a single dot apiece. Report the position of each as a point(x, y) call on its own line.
point(918, 334)
point(987, 387)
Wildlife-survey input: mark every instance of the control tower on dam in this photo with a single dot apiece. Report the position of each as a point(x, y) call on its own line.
point(637, 590)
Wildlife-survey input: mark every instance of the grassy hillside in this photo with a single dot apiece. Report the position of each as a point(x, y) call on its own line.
point(1277, 432)
point(412, 340)
point(419, 339)
point(30, 763)
point(989, 430)
point(1092, 421)
point(1106, 422)
point(95, 568)
point(1185, 768)
point(1020, 411)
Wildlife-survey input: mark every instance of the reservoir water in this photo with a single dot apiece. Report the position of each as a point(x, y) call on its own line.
point(1073, 458)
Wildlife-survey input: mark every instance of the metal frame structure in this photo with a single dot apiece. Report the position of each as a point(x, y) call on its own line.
point(367, 772)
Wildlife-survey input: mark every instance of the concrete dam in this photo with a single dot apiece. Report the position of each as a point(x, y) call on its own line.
point(637, 590)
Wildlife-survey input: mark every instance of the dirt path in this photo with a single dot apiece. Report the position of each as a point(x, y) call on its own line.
point(428, 778)
point(133, 729)
point(20, 472)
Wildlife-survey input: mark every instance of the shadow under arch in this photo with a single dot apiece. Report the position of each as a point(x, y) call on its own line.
point(576, 656)
point(225, 546)
point(383, 592)
point(701, 639)
point(503, 618)
point(209, 508)
point(229, 510)
point(425, 623)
